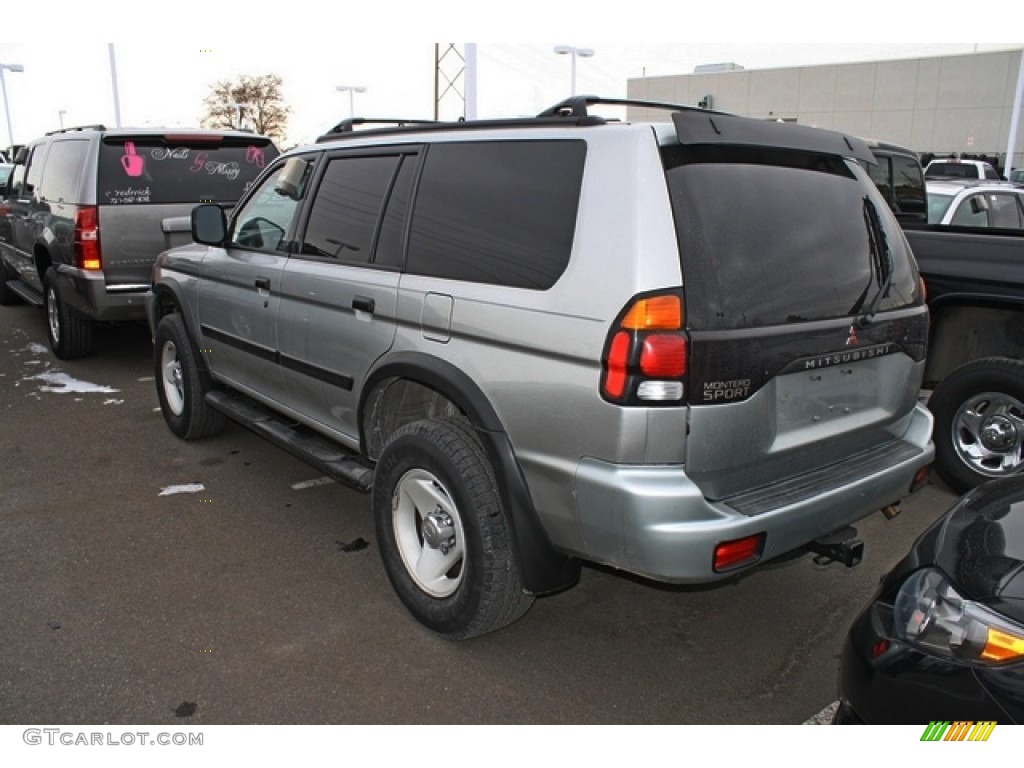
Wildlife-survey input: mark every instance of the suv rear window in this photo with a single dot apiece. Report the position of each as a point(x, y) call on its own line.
point(771, 237)
point(149, 169)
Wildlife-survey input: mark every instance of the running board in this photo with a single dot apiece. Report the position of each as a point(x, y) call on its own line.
point(25, 291)
point(328, 457)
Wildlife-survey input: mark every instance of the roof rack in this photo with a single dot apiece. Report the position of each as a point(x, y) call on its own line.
point(96, 127)
point(345, 129)
point(572, 111)
point(576, 106)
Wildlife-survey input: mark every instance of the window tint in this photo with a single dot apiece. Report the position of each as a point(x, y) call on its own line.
point(776, 237)
point(63, 169)
point(497, 212)
point(34, 171)
point(265, 220)
point(139, 170)
point(389, 246)
point(908, 185)
point(347, 207)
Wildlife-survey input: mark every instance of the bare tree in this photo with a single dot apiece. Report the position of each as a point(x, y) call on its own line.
point(253, 102)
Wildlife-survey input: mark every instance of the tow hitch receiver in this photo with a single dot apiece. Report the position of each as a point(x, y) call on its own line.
point(840, 546)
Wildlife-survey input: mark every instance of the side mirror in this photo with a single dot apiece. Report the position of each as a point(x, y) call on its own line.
point(979, 204)
point(209, 225)
point(289, 184)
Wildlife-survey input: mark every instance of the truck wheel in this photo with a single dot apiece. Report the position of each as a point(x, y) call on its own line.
point(180, 385)
point(979, 422)
point(443, 533)
point(70, 333)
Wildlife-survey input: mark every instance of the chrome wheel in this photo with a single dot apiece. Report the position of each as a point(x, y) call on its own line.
point(428, 532)
point(988, 431)
point(53, 314)
point(171, 378)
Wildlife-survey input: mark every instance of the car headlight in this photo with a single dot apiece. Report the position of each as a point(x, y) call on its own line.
point(930, 614)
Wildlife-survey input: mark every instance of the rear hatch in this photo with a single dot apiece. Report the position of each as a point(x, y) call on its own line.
point(149, 183)
point(803, 305)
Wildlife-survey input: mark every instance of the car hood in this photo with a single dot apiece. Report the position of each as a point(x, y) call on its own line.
point(979, 544)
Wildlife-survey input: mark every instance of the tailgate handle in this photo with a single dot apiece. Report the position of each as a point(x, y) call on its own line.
point(363, 304)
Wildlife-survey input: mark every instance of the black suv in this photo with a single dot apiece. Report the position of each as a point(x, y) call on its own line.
point(86, 211)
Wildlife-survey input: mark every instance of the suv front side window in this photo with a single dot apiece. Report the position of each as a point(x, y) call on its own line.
point(266, 221)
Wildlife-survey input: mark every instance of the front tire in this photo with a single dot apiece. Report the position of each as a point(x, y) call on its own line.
point(443, 533)
point(181, 385)
point(979, 422)
point(70, 333)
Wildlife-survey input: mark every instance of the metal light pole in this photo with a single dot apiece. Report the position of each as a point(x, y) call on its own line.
point(239, 108)
point(7, 106)
point(574, 52)
point(352, 90)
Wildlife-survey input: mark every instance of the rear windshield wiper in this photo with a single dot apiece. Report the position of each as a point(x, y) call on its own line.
point(881, 263)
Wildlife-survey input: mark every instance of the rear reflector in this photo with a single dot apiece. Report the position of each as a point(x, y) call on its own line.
point(733, 554)
point(920, 478)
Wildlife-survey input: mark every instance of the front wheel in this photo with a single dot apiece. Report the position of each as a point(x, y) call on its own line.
point(979, 422)
point(180, 384)
point(443, 533)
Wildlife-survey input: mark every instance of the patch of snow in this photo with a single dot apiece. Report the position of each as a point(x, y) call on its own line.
point(61, 383)
point(187, 488)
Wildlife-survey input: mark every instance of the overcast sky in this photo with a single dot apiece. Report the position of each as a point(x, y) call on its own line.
point(162, 81)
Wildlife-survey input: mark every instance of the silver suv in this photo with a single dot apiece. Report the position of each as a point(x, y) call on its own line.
point(86, 211)
point(675, 349)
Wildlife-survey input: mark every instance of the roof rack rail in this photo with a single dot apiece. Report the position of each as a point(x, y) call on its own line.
point(349, 124)
point(344, 129)
point(576, 106)
point(96, 127)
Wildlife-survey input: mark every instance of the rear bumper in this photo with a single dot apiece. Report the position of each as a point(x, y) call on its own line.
point(88, 293)
point(655, 522)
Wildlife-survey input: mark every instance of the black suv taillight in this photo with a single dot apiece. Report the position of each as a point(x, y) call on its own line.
point(645, 356)
point(87, 238)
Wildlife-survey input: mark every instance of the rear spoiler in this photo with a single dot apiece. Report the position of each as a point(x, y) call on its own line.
point(699, 127)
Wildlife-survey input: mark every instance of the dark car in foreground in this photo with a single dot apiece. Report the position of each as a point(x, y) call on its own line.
point(943, 638)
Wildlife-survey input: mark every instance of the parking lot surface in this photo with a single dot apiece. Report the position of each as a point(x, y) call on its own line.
point(150, 580)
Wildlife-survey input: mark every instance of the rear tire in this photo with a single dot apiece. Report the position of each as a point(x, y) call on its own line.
point(181, 386)
point(979, 422)
point(443, 532)
point(70, 333)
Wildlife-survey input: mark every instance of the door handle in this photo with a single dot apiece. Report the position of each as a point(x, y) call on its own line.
point(263, 283)
point(363, 304)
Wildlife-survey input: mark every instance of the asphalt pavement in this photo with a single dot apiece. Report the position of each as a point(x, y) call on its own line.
point(150, 580)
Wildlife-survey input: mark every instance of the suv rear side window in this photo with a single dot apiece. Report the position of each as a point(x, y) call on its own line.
point(63, 170)
point(778, 237)
point(347, 206)
point(497, 212)
point(142, 169)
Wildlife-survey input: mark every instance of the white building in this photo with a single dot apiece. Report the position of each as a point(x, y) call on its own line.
point(941, 105)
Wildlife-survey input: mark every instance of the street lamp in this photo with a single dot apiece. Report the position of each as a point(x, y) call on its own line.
point(239, 108)
point(574, 52)
point(7, 106)
point(352, 90)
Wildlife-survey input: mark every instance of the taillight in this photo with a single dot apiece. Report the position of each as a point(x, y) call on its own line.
point(87, 238)
point(645, 357)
